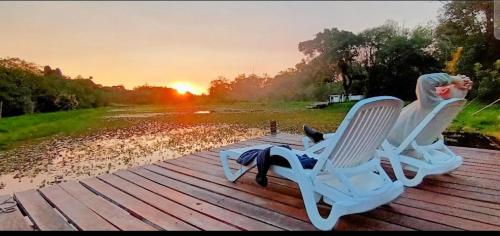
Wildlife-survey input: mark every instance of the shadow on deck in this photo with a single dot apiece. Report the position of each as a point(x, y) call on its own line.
point(192, 193)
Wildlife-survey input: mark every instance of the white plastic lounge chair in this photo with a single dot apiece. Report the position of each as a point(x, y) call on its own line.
point(430, 159)
point(348, 175)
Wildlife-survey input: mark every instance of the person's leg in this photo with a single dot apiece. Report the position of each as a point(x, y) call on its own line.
point(316, 136)
point(263, 165)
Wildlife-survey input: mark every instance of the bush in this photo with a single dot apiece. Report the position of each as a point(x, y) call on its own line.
point(488, 88)
point(66, 102)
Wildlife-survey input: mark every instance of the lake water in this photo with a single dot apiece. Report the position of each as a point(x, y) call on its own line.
point(63, 159)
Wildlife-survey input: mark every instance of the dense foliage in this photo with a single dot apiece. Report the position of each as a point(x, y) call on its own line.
point(25, 88)
point(384, 60)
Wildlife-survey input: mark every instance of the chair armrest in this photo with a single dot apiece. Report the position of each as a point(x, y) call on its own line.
point(290, 156)
point(328, 135)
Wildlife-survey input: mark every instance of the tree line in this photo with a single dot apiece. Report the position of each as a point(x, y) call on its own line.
point(25, 88)
point(384, 60)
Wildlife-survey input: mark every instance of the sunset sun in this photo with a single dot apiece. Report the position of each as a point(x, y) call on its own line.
point(184, 87)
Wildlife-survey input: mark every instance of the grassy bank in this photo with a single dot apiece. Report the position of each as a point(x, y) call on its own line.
point(32, 128)
point(485, 122)
point(290, 116)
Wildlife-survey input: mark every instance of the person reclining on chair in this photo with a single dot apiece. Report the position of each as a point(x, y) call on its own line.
point(431, 89)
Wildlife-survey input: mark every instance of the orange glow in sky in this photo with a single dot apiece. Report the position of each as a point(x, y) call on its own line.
point(186, 44)
point(183, 87)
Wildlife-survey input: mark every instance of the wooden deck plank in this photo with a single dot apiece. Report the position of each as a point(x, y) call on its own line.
point(282, 187)
point(223, 181)
point(213, 158)
point(12, 221)
point(247, 209)
point(191, 193)
point(454, 190)
point(299, 202)
point(464, 194)
point(230, 192)
point(446, 179)
point(490, 199)
point(214, 162)
point(266, 192)
point(457, 212)
point(387, 226)
point(360, 222)
point(475, 189)
point(189, 168)
point(177, 210)
point(78, 214)
point(228, 217)
point(107, 210)
point(452, 211)
point(406, 220)
point(457, 202)
point(453, 221)
point(40, 211)
point(139, 208)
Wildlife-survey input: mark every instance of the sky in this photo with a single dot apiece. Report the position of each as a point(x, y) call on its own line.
point(167, 43)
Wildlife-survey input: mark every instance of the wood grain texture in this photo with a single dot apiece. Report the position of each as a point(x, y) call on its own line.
point(192, 193)
point(13, 221)
point(79, 214)
point(107, 210)
point(41, 212)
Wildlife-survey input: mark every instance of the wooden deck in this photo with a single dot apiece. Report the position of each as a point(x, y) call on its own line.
point(191, 193)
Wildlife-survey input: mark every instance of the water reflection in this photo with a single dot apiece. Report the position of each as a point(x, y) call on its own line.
point(65, 159)
point(202, 112)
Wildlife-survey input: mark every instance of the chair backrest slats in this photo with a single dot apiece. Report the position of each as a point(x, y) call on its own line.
point(363, 131)
point(441, 120)
point(365, 125)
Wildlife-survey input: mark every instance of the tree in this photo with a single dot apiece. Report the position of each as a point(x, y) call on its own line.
point(403, 59)
point(66, 102)
point(468, 24)
point(489, 82)
point(371, 42)
point(219, 89)
point(337, 48)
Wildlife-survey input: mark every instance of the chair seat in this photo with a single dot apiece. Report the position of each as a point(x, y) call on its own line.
point(365, 182)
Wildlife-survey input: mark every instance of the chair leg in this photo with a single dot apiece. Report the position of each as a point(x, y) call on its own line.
point(317, 197)
point(400, 175)
point(311, 206)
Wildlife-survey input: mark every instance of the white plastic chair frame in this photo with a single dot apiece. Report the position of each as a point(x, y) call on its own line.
point(348, 175)
point(433, 159)
point(429, 164)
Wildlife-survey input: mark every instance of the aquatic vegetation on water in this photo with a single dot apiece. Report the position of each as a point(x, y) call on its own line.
point(53, 147)
point(66, 158)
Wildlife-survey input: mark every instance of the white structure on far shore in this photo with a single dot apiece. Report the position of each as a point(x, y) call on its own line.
point(334, 98)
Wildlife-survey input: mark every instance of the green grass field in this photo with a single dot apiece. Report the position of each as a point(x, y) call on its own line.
point(32, 128)
point(290, 116)
point(486, 121)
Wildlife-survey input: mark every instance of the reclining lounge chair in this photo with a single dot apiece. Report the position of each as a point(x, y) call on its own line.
point(427, 158)
point(348, 175)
